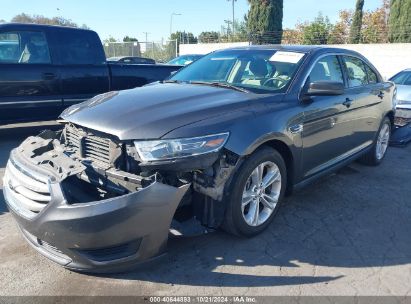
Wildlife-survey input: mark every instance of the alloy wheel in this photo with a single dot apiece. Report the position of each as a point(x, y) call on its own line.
point(261, 193)
point(382, 141)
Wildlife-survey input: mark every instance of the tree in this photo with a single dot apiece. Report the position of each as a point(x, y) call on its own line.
point(209, 37)
point(265, 21)
point(375, 25)
point(292, 36)
point(110, 39)
point(39, 19)
point(341, 30)
point(317, 31)
point(129, 39)
point(355, 31)
point(183, 38)
point(400, 21)
point(240, 31)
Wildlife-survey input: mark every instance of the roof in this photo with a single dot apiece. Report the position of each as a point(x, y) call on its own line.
point(291, 48)
point(38, 26)
point(295, 48)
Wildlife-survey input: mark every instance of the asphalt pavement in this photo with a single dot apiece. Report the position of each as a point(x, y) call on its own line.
point(346, 234)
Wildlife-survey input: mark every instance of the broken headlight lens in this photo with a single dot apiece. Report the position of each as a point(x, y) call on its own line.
point(178, 148)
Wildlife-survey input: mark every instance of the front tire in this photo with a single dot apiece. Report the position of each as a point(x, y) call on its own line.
point(255, 193)
point(376, 155)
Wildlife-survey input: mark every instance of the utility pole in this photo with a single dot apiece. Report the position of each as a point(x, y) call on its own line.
point(146, 33)
point(171, 22)
point(233, 4)
point(229, 28)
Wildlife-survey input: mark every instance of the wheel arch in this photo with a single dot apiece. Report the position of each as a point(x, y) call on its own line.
point(286, 153)
point(391, 116)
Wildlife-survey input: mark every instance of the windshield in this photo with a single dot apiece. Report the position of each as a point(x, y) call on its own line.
point(259, 71)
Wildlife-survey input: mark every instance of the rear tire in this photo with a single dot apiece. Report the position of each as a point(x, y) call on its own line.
point(378, 151)
point(255, 193)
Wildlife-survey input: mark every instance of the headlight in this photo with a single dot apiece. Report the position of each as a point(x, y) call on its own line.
point(178, 148)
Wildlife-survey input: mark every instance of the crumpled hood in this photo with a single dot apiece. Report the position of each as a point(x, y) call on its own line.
point(151, 112)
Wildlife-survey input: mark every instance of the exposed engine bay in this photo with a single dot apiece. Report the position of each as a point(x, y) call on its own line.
point(93, 166)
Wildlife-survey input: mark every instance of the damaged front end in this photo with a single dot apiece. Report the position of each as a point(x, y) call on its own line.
point(86, 201)
point(402, 125)
point(84, 219)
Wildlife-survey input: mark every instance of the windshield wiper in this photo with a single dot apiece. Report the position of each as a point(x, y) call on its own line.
point(171, 81)
point(221, 85)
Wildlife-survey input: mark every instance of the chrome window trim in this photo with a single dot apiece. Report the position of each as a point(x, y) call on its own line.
point(28, 102)
point(312, 67)
point(366, 73)
point(344, 72)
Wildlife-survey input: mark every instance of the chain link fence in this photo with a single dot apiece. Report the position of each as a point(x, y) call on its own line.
point(308, 35)
point(159, 51)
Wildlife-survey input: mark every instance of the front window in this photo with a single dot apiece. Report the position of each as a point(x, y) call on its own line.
point(259, 71)
point(24, 47)
point(327, 69)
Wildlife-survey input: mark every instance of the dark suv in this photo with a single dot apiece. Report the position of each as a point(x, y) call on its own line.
point(221, 142)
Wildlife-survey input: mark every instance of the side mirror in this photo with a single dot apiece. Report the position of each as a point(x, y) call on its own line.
point(325, 88)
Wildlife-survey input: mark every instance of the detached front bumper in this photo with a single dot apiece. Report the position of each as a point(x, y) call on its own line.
point(101, 236)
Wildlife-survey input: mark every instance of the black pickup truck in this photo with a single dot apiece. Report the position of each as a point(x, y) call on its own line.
point(44, 69)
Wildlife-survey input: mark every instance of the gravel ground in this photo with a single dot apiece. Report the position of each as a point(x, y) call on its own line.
point(347, 234)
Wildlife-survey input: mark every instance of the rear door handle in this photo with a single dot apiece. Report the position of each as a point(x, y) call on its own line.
point(49, 76)
point(347, 102)
point(381, 95)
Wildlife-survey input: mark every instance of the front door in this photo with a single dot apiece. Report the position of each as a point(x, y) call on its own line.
point(29, 82)
point(327, 129)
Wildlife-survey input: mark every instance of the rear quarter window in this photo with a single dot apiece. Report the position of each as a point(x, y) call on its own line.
point(80, 48)
point(372, 77)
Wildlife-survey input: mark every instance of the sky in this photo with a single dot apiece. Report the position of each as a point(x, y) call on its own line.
point(135, 17)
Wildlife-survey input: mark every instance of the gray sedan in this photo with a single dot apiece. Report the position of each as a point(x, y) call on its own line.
point(402, 131)
point(403, 83)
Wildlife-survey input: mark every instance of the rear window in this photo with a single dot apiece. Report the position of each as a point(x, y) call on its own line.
point(80, 48)
point(24, 47)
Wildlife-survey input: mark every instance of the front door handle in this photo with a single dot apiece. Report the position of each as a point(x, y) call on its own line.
point(49, 76)
point(347, 102)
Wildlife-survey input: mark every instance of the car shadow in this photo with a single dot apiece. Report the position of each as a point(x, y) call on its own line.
point(336, 222)
point(3, 208)
point(356, 218)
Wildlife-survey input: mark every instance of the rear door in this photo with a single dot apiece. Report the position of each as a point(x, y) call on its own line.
point(83, 69)
point(365, 92)
point(29, 81)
